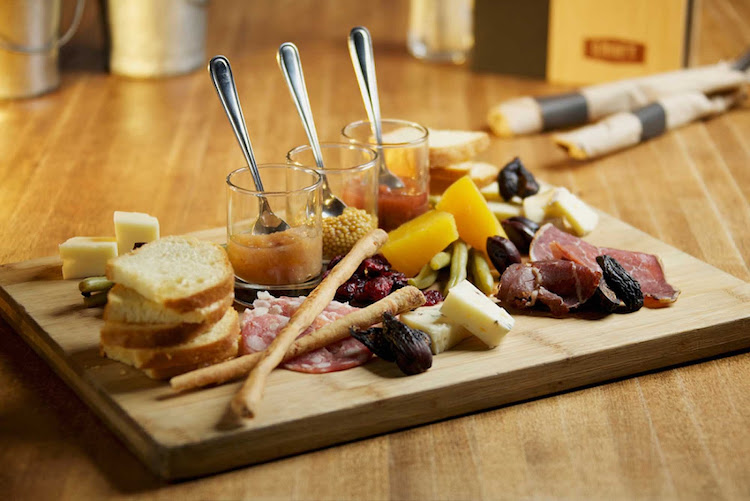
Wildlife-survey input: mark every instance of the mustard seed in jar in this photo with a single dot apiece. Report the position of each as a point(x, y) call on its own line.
point(340, 233)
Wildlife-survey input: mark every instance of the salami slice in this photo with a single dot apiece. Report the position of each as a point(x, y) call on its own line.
point(262, 323)
point(552, 243)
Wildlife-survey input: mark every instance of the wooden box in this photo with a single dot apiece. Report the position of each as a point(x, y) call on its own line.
point(583, 41)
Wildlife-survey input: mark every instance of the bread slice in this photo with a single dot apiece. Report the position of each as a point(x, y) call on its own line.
point(481, 173)
point(151, 335)
point(221, 338)
point(453, 146)
point(125, 305)
point(180, 273)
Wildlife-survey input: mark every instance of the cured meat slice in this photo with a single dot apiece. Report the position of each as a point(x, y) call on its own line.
point(518, 286)
point(648, 271)
point(269, 315)
point(552, 243)
point(540, 249)
point(560, 285)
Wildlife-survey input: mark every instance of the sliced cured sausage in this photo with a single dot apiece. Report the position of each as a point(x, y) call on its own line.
point(262, 323)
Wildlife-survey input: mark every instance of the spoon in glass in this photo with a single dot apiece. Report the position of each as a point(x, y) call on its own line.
point(221, 74)
point(291, 67)
point(363, 59)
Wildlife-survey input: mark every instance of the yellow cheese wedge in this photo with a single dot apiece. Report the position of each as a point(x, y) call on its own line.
point(412, 245)
point(468, 306)
point(474, 219)
point(134, 227)
point(86, 256)
point(443, 333)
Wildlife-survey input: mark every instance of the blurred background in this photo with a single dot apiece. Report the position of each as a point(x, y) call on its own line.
point(126, 133)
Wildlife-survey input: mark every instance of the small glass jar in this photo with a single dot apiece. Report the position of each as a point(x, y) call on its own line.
point(283, 260)
point(406, 154)
point(352, 175)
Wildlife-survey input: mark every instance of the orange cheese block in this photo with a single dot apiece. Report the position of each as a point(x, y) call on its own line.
point(474, 219)
point(412, 245)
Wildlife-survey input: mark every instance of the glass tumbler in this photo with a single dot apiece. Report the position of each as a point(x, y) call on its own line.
point(441, 30)
point(283, 260)
point(405, 152)
point(352, 175)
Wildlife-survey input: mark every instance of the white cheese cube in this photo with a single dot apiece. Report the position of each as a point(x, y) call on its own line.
point(468, 306)
point(504, 210)
point(491, 192)
point(535, 206)
point(86, 256)
point(581, 217)
point(443, 333)
point(134, 227)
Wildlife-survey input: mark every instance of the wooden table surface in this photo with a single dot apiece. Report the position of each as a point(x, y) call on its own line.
point(103, 143)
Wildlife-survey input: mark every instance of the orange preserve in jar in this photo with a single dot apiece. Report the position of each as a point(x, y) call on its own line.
point(287, 257)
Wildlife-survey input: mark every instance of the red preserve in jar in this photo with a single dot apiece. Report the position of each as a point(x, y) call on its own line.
point(395, 207)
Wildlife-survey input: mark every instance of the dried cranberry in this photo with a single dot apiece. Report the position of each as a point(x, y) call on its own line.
point(350, 289)
point(373, 266)
point(433, 297)
point(397, 278)
point(375, 290)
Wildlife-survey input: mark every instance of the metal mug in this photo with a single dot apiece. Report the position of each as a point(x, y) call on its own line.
point(29, 46)
point(156, 38)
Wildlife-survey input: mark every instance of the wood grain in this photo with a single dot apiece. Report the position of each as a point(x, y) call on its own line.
point(101, 143)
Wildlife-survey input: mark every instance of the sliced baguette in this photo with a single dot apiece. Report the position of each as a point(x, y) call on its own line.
point(453, 146)
point(222, 337)
point(481, 173)
point(181, 273)
point(151, 336)
point(124, 305)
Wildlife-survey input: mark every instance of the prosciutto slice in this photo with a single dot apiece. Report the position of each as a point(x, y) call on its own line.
point(552, 243)
point(560, 285)
point(261, 324)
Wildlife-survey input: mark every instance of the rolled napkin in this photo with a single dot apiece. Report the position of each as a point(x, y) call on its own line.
point(626, 128)
point(527, 115)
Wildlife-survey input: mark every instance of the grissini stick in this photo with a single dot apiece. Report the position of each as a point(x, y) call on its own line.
point(405, 299)
point(528, 115)
point(245, 403)
point(626, 128)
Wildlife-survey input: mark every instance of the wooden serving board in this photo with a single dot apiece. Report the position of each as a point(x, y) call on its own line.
point(190, 434)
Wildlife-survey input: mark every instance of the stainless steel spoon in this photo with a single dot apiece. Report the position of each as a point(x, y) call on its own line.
point(291, 67)
point(360, 50)
point(221, 74)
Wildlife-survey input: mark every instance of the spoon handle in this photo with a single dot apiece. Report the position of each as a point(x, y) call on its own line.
point(363, 59)
point(221, 74)
point(291, 67)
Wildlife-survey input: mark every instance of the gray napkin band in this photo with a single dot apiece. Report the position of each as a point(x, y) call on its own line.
point(563, 110)
point(653, 120)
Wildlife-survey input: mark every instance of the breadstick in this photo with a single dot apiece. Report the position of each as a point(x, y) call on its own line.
point(246, 401)
point(402, 300)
